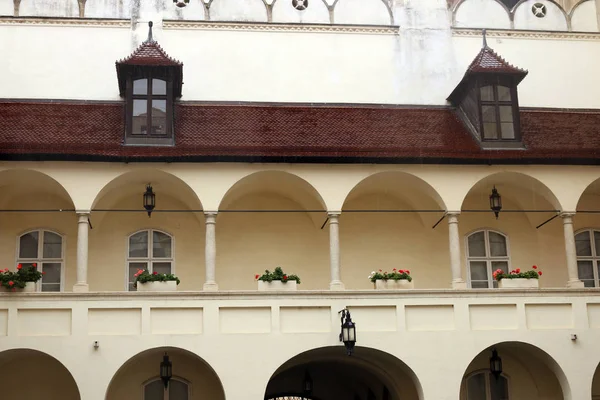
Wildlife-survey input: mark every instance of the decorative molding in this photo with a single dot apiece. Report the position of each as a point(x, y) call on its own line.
point(509, 33)
point(276, 27)
point(93, 22)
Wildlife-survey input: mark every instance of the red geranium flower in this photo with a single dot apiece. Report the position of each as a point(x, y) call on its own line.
point(34, 264)
point(518, 270)
point(10, 283)
point(155, 273)
point(534, 267)
point(43, 272)
point(395, 269)
point(256, 276)
point(540, 273)
point(407, 271)
point(19, 266)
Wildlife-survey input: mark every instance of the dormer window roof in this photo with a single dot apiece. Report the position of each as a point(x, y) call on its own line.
point(487, 102)
point(150, 81)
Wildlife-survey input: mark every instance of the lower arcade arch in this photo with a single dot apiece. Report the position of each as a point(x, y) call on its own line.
point(139, 378)
point(328, 373)
point(527, 372)
point(51, 379)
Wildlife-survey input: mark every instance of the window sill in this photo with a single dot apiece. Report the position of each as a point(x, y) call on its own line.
point(502, 145)
point(149, 141)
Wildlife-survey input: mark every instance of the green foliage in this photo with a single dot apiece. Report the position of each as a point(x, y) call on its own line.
point(277, 275)
point(516, 273)
point(17, 280)
point(143, 276)
point(394, 275)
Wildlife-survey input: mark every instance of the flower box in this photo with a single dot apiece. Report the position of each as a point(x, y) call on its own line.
point(157, 286)
point(277, 286)
point(393, 284)
point(519, 283)
point(29, 287)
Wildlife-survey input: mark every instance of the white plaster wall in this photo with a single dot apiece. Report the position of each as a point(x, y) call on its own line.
point(481, 14)
point(49, 8)
point(193, 11)
point(235, 10)
point(369, 12)
point(316, 13)
point(584, 17)
point(7, 8)
point(553, 21)
point(108, 8)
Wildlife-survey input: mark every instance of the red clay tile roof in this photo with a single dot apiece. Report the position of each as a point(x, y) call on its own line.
point(294, 133)
point(489, 61)
point(151, 54)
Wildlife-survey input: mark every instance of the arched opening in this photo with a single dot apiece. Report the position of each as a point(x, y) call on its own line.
point(367, 374)
point(381, 228)
point(118, 213)
point(50, 379)
point(526, 204)
point(192, 378)
point(272, 219)
point(527, 373)
point(586, 224)
point(26, 191)
point(596, 384)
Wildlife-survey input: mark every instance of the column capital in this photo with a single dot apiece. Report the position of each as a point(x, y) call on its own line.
point(84, 217)
point(453, 213)
point(567, 214)
point(210, 217)
point(333, 214)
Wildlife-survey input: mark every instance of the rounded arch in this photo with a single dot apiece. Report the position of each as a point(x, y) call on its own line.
point(462, 14)
point(24, 181)
point(141, 368)
point(333, 372)
point(587, 198)
point(53, 381)
point(519, 183)
point(526, 361)
point(517, 9)
point(576, 5)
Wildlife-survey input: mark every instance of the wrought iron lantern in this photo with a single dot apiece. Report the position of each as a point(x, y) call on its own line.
point(495, 202)
point(307, 384)
point(348, 333)
point(495, 364)
point(181, 3)
point(149, 200)
point(166, 370)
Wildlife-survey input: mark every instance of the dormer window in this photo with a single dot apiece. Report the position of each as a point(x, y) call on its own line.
point(486, 100)
point(150, 81)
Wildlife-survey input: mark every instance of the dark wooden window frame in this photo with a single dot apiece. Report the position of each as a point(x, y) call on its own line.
point(149, 138)
point(514, 103)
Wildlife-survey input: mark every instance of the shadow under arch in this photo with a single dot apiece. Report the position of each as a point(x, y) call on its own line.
point(575, 7)
point(461, 2)
point(517, 180)
point(53, 381)
point(142, 367)
point(525, 361)
point(335, 375)
point(585, 197)
point(23, 181)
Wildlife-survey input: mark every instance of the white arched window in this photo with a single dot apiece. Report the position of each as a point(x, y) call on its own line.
point(484, 386)
point(587, 243)
point(149, 249)
point(45, 249)
point(178, 390)
point(487, 251)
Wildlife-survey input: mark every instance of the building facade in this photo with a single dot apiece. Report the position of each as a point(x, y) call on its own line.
point(333, 139)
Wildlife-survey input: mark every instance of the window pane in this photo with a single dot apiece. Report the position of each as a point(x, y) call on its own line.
point(52, 245)
point(154, 391)
point(488, 113)
point(508, 130)
point(478, 270)
point(582, 244)
point(161, 245)
point(506, 114)
point(597, 242)
point(133, 268)
point(476, 387)
point(497, 245)
point(499, 388)
point(28, 245)
point(585, 271)
point(139, 121)
point(477, 245)
point(161, 268)
point(479, 284)
point(487, 93)
point(159, 117)
point(50, 287)
point(178, 390)
point(504, 93)
point(490, 130)
point(140, 86)
point(138, 245)
point(159, 87)
point(51, 272)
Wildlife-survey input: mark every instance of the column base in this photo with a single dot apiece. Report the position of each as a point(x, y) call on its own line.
point(336, 285)
point(210, 287)
point(575, 284)
point(460, 285)
point(81, 288)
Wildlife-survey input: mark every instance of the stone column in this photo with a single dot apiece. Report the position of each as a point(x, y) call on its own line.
point(334, 252)
point(210, 251)
point(570, 250)
point(455, 266)
point(82, 253)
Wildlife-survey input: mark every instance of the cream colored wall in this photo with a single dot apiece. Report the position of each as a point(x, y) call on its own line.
point(129, 380)
point(33, 375)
